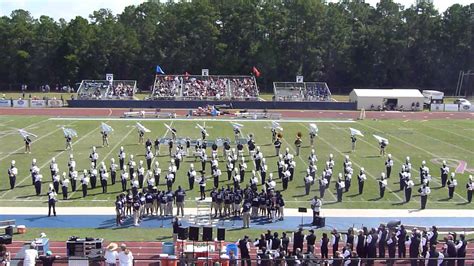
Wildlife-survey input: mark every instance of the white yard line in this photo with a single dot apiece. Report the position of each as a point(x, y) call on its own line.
point(27, 127)
point(450, 132)
point(294, 152)
point(34, 141)
point(27, 177)
point(373, 177)
point(201, 119)
point(419, 148)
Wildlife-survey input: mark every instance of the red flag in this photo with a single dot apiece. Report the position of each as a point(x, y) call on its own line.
point(256, 72)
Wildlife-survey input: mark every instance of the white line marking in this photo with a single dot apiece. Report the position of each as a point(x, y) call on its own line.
point(200, 119)
point(27, 177)
point(419, 148)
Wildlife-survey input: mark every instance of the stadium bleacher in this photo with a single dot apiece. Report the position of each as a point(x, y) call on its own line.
point(194, 87)
point(301, 91)
point(104, 90)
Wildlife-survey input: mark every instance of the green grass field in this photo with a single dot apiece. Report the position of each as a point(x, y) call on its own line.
point(420, 140)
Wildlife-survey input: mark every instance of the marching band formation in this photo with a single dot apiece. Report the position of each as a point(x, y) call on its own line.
point(253, 191)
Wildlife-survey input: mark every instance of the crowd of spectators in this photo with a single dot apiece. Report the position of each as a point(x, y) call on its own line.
point(205, 87)
point(307, 92)
point(121, 90)
point(98, 90)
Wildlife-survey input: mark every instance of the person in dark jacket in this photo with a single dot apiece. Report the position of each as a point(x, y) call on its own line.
point(298, 240)
point(324, 246)
point(461, 249)
point(414, 248)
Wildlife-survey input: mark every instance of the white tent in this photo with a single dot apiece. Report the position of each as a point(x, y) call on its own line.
point(401, 98)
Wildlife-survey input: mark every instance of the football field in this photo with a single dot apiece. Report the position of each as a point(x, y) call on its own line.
point(429, 140)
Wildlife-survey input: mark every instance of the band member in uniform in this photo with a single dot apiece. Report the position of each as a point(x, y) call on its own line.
point(105, 138)
point(274, 134)
point(52, 198)
point(113, 170)
point(121, 157)
point(157, 173)
point(141, 136)
point(56, 180)
point(452, 183)
point(323, 184)
point(392, 248)
point(73, 179)
point(461, 249)
point(361, 179)
point(409, 184)
point(444, 174)
point(312, 135)
point(85, 182)
point(382, 185)
point(191, 176)
point(433, 257)
point(64, 186)
point(383, 144)
point(94, 156)
point(277, 145)
point(202, 186)
point(353, 141)
point(27, 144)
point(424, 192)
point(157, 146)
point(131, 166)
point(340, 185)
point(470, 189)
point(149, 157)
point(316, 205)
point(93, 175)
point(388, 165)
point(123, 178)
point(141, 174)
point(308, 181)
point(38, 177)
point(180, 195)
point(68, 142)
point(103, 177)
point(298, 143)
point(12, 173)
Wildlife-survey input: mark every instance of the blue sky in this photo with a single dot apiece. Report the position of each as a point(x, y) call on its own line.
point(68, 9)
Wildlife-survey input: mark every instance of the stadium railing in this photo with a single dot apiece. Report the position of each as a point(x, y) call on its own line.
point(301, 91)
point(105, 90)
point(213, 87)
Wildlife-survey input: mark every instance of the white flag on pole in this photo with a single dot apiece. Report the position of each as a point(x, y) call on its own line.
point(106, 128)
point(314, 128)
point(356, 132)
point(142, 128)
point(69, 132)
point(380, 139)
point(25, 134)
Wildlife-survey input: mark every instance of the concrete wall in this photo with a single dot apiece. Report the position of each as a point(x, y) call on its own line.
point(195, 104)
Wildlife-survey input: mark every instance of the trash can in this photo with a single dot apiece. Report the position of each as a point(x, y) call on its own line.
point(9, 230)
point(168, 248)
point(234, 248)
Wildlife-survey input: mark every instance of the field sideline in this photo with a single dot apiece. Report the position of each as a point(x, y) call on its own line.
point(429, 140)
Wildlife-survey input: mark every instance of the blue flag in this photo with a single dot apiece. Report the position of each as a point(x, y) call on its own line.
point(159, 70)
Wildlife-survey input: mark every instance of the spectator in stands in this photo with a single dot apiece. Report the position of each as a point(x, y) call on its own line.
point(111, 254)
point(4, 255)
point(125, 256)
point(31, 254)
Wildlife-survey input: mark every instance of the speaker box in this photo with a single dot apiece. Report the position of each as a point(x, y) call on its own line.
point(320, 221)
point(182, 233)
point(221, 234)
point(207, 233)
point(5, 239)
point(194, 233)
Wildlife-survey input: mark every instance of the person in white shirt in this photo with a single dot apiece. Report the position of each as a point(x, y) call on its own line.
point(125, 256)
point(111, 254)
point(31, 255)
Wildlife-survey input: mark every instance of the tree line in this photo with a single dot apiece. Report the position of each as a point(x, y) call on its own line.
point(347, 44)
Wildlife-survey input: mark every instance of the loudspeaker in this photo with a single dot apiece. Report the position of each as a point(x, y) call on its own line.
point(194, 233)
point(302, 210)
point(207, 233)
point(182, 233)
point(221, 234)
point(320, 221)
point(5, 239)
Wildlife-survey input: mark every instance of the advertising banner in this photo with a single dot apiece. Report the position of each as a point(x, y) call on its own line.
point(55, 103)
point(37, 103)
point(20, 103)
point(451, 107)
point(437, 107)
point(5, 103)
